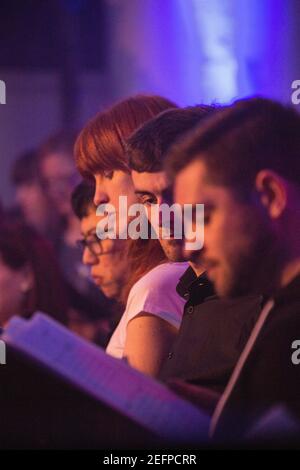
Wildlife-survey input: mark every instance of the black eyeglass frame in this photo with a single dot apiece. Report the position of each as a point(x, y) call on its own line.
point(84, 243)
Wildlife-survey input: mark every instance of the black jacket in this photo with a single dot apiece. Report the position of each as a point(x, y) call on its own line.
point(212, 334)
point(268, 377)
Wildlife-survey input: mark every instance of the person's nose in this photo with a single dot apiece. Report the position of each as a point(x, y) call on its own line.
point(172, 216)
point(159, 202)
point(161, 220)
point(100, 196)
point(88, 258)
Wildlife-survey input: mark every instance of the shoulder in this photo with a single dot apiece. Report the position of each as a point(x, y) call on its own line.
point(155, 293)
point(166, 275)
point(283, 324)
point(272, 354)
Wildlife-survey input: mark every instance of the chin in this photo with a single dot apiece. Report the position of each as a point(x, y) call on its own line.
point(110, 292)
point(175, 257)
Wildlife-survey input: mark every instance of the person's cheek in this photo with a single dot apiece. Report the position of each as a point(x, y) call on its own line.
point(127, 189)
point(214, 242)
point(120, 265)
point(106, 272)
point(111, 267)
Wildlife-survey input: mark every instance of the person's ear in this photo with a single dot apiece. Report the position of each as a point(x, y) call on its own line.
point(272, 190)
point(27, 282)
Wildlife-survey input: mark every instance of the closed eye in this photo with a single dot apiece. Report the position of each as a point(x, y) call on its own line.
point(147, 199)
point(109, 174)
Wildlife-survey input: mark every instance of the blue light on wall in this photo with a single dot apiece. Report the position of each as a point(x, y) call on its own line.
point(206, 50)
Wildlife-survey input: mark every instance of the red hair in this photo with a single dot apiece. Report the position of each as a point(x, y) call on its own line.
point(100, 145)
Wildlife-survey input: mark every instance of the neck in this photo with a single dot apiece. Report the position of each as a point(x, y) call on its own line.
point(197, 268)
point(281, 262)
point(292, 266)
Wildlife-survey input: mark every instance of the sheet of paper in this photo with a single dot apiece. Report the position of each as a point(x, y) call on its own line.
point(108, 379)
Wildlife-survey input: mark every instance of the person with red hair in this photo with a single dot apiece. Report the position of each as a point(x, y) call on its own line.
point(151, 318)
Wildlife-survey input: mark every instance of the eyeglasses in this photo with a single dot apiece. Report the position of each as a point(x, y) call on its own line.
point(94, 246)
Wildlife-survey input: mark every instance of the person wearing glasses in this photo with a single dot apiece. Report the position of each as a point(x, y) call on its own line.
point(108, 265)
point(59, 177)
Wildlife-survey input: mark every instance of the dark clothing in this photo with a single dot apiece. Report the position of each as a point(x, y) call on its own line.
point(212, 334)
point(268, 377)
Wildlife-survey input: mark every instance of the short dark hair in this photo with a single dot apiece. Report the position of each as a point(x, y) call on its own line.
point(239, 141)
point(146, 148)
point(82, 198)
point(25, 169)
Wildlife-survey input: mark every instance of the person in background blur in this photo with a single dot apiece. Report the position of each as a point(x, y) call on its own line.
point(59, 178)
point(33, 204)
point(30, 278)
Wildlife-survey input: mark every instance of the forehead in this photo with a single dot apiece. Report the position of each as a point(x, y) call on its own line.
point(57, 163)
point(192, 185)
point(152, 182)
point(113, 176)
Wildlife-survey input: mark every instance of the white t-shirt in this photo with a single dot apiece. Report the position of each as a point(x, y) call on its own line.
point(154, 293)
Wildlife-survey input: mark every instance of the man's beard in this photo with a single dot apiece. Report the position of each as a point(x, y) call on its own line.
point(258, 270)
